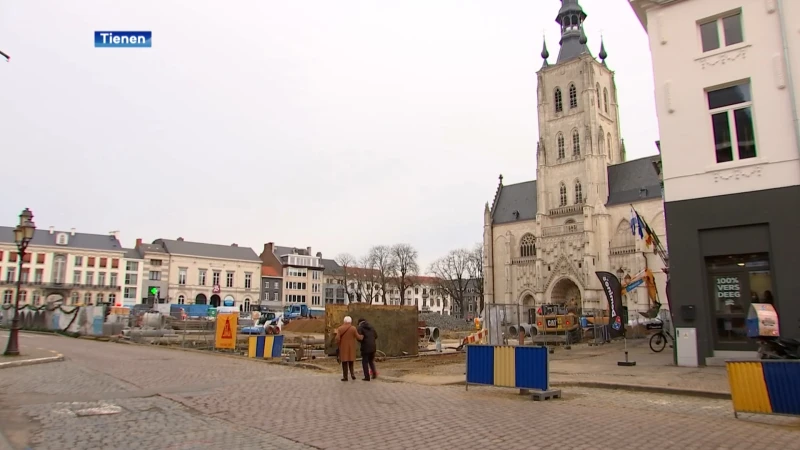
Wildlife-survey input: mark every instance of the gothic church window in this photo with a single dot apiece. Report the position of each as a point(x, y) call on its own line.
point(527, 247)
point(608, 142)
point(576, 143)
point(562, 197)
point(578, 192)
point(559, 105)
point(600, 141)
point(597, 93)
point(605, 99)
point(560, 140)
point(573, 96)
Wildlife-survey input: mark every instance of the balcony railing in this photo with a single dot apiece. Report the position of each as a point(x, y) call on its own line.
point(523, 260)
point(558, 230)
point(567, 210)
point(50, 285)
point(623, 249)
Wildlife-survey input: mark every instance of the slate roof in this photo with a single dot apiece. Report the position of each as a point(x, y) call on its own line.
point(519, 197)
point(628, 182)
point(282, 251)
point(215, 251)
point(132, 253)
point(331, 266)
point(102, 242)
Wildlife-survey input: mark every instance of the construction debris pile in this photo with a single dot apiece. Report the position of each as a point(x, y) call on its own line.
point(446, 323)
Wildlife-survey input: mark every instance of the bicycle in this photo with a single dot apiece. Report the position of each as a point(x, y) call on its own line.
point(658, 341)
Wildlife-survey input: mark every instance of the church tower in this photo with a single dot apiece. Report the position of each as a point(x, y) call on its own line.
point(579, 131)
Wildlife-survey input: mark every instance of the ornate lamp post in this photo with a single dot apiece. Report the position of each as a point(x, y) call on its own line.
point(23, 234)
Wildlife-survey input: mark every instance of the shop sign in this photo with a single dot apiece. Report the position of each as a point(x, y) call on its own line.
point(728, 290)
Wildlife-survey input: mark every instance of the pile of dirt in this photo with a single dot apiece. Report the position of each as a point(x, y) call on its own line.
point(314, 326)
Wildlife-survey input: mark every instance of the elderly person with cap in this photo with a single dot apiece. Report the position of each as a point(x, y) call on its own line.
point(346, 337)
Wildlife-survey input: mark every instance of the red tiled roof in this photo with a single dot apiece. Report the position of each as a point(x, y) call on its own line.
point(269, 271)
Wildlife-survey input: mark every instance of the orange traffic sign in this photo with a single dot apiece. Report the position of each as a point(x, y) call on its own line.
point(226, 331)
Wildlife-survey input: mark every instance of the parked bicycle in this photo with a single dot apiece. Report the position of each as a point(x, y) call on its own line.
point(658, 341)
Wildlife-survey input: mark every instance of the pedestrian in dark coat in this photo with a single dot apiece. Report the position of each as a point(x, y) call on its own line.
point(368, 349)
point(346, 337)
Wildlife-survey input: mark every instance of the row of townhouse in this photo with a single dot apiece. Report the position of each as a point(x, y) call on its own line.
point(84, 269)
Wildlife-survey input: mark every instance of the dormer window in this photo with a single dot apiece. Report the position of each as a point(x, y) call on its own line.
point(62, 239)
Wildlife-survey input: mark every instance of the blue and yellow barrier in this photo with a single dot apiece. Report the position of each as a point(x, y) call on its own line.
point(765, 386)
point(270, 346)
point(508, 366)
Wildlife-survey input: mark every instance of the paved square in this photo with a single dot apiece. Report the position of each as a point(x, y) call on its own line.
point(108, 395)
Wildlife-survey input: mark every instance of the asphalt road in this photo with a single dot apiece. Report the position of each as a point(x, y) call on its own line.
point(116, 396)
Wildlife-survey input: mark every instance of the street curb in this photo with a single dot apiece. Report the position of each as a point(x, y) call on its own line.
point(599, 385)
point(717, 395)
point(31, 362)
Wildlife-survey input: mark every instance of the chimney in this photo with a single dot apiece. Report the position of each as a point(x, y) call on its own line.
point(52, 230)
point(269, 247)
point(319, 255)
point(113, 234)
point(234, 244)
point(138, 242)
point(72, 231)
point(180, 239)
point(308, 251)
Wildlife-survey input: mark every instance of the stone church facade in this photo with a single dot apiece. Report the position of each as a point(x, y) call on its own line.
point(545, 239)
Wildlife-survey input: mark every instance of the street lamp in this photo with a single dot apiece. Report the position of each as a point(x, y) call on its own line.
point(23, 234)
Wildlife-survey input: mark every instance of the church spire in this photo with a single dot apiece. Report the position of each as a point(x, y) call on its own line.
point(603, 54)
point(573, 40)
point(545, 53)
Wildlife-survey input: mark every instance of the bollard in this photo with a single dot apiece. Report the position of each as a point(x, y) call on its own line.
point(626, 363)
point(438, 345)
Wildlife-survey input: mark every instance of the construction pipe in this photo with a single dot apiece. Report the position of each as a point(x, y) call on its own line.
point(432, 333)
point(513, 331)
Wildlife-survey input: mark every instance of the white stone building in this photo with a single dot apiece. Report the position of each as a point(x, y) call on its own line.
point(199, 273)
point(727, 104)
point(68, 266)
point(545, 239)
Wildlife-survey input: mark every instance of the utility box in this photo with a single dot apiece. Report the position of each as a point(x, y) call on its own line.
point(686, 346)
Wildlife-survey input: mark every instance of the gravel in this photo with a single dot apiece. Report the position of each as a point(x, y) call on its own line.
point(447, 323)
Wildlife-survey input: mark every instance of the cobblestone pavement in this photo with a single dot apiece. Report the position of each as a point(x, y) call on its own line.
point(119, 396)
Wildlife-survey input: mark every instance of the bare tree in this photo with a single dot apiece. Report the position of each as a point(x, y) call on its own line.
point(347, 262)
point(383, 263)
point(404, 268)
point(452, 275)
point(366, 280)
point(475, 273)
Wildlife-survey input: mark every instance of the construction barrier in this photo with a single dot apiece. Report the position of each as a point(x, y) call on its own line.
point(508, 366)
point(265, 346)
point(765, 386)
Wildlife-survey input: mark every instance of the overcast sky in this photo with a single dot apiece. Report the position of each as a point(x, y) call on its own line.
point(332, 124)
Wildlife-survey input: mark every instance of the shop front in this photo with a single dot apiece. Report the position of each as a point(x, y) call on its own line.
point(726, 253)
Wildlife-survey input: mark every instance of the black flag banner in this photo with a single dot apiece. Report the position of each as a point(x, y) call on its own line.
point(613, 291)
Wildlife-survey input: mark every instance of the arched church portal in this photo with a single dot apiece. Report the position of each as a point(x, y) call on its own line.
point(566, 292)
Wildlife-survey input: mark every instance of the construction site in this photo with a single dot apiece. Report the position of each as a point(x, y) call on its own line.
point(411, 345)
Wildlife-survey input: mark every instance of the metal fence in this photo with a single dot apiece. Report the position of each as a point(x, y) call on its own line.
point(503, 320)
